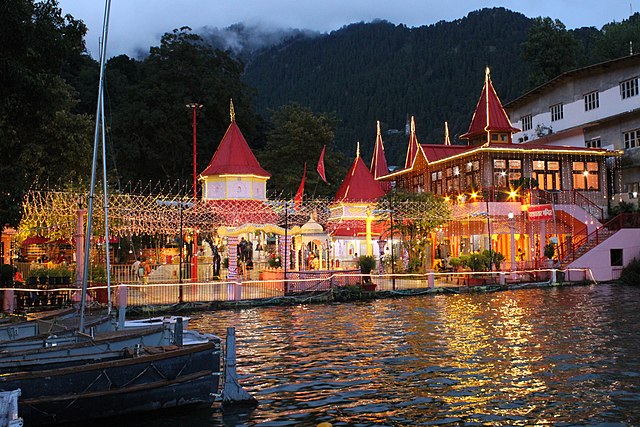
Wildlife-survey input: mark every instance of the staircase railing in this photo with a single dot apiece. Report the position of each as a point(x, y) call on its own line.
point(587, 204)
point(567, 250)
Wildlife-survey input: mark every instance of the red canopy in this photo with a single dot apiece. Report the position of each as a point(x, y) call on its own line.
point(35, 240)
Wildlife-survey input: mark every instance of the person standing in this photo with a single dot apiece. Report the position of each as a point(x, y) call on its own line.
point(145, 269)
point(135, 269)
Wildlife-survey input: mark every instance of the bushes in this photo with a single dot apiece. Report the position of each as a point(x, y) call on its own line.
point(631, 273)
point(478, 261)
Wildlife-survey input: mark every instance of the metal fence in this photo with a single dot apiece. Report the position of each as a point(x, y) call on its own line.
point(271, 285)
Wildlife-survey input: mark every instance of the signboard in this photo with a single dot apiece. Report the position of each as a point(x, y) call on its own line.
point(540, 212)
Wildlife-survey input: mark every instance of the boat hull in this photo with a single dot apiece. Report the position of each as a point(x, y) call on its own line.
point(174, 377)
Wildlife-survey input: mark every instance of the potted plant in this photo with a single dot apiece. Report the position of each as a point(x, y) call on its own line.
point(32, 278)
point(55, 276)
point(43, 276)
point(66, 273)
point(549, 251)
point(366, 264)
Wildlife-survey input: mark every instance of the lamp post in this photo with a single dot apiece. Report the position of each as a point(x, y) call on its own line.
point(194, 250)
point(181, 205)
point(512, 226)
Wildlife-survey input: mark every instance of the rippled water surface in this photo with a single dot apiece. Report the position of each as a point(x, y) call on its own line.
point(555, 356)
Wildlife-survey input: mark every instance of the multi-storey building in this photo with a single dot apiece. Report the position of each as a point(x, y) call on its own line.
point(594, 106)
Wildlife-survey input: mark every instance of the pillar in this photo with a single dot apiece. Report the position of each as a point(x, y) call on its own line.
point(381, 245)
point(368, 231)
point(543, 238)
point(232, 244)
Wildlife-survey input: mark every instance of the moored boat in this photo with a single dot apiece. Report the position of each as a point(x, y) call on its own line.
point(45, 322)
point(136, 380)
point(60, 332)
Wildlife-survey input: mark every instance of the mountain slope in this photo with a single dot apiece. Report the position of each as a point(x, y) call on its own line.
point(380, 71)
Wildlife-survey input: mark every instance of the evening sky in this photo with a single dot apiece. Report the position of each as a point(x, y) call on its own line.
point(135, 25)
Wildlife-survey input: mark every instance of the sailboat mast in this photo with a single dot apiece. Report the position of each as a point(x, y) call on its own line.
point(99, 121)
point(107, 244)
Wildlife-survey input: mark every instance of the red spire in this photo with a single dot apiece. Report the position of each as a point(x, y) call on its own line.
point(233, 155)
point(414, 146)
point(379, 165)
point(489, 115)
point(359, 184)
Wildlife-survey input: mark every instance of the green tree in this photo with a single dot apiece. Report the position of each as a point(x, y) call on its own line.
point(43, 139)
point(415, 217)
point(150, 125)
point(550, 50)
point(617, 39)
point(298, 136)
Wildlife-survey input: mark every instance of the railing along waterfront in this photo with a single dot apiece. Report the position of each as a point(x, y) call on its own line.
point(273, 287)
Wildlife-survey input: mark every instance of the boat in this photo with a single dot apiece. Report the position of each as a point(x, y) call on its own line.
point(155, 321)
point(79, 347)
point(136, 380)
point(45, 322)
point(58, 332)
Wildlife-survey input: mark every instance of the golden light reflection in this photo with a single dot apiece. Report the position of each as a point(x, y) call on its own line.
point(498, 349)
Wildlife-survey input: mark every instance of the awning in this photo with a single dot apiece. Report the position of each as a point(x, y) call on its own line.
point(35, 240)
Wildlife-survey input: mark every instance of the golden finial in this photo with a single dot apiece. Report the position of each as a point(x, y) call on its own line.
point(447, 140)
point(232, 112)
point(378, 127)
point(358, 149)
point(413, 125)
point(487, 73)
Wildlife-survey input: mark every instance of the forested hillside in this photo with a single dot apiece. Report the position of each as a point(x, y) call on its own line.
point(380, 71)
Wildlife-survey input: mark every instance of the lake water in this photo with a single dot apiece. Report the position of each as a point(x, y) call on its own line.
point(552, 356)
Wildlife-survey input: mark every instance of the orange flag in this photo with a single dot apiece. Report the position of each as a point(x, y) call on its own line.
point(297, 200)
point(320, 168)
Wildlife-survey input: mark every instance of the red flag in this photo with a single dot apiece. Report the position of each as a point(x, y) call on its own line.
point(297, 200)
point(320, 168)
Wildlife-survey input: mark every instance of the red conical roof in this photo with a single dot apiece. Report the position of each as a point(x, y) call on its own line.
point(233, 155)
point(359, 185)
point(489, 114)
point(379, 165)
point(413, 147)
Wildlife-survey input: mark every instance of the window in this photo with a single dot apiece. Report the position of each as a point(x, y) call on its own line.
point(629, 88)
point(593, 143)
point(591, 101)
point(556, 112)
point(527, 122)
point(585, 175)
point(631, 138)
point(547, 174)
point(505, 172)
point(436, 182)
point(418, 183)
point(615, 255)
point(472, 174)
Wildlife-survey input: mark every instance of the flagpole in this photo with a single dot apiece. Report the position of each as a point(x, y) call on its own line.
point(320, 169)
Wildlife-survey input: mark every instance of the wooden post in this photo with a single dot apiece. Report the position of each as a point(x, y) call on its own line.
point(233, 392)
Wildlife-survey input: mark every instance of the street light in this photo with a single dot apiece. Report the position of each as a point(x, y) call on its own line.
point(181, 205)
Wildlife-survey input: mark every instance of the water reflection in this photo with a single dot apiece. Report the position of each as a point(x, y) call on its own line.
point(530, 357)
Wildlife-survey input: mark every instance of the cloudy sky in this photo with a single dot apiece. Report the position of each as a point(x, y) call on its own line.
point(138, 24)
